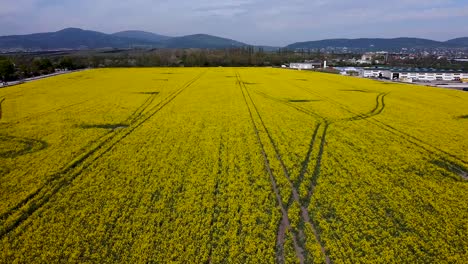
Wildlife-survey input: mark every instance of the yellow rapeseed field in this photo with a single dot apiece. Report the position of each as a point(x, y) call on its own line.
point(231, 165)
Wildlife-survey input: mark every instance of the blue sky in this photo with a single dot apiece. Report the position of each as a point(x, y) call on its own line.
point(267, 22)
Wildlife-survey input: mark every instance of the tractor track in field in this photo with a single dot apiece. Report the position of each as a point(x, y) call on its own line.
point(215, 208)
point(442, 162)
point(141, 109)
point(305, 163)
point(459, 167)
point(318, 159)
point(381, 107)
point(378, 109)
point(295, 194)
point(298, 108)
point(313, 183)
point(36, 115)
point(29, 146)
point(318, 165)
point(65, 177)
point(1, 102)
point(285, 223)
point(401, 134)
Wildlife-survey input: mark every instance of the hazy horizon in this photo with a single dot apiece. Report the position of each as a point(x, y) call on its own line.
point(257, 22)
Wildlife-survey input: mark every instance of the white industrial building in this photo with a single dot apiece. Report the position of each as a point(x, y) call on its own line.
point(414, 74)
point(374, 72)
point(305, 65)
point(348, 71)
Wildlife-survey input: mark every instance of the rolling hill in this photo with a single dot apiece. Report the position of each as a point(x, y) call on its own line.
point(201, 41)
point(70, 38)
point(373, 43)
point(75, 38)
point(141, 35)
point(459, 41)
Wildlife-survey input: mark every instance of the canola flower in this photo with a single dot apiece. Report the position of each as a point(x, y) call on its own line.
point(231, 165)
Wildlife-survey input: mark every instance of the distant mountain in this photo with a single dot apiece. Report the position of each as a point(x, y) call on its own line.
point(373, 43)
point(142, 35)
point(75, 38)
point(71, 38)
point(201, 41)
point(459, 41)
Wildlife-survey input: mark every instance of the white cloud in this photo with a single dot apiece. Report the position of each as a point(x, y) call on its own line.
point(254, 21)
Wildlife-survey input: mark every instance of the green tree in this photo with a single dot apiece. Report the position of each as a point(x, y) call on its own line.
point(7, 69)
point(43, 66)
point(66, 63)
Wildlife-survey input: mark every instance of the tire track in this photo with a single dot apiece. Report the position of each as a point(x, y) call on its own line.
point(87, 155)
point(65, 177)
point(295, 194)
point(305, 163)
point(29, 146)
point(457, 165)
point(298, 108)
point(36, 115)
point(139, 111)
point(1, 102)
point(378, 109)
point(318, 165)
point(404, 135)
point(311, 190)
point(216, 209)
point(457, 168)
point(285, 224)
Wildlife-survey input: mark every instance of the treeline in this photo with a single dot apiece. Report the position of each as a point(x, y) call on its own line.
point(24, 65)
point(246, 56)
